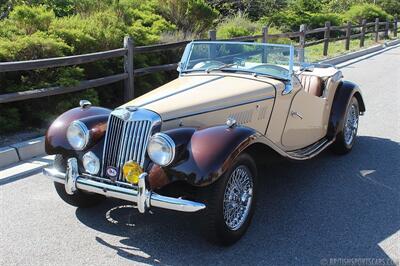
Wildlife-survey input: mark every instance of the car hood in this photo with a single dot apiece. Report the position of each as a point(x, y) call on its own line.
point(194, 94)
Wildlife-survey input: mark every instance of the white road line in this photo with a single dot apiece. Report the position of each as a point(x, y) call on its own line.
point(391, 246)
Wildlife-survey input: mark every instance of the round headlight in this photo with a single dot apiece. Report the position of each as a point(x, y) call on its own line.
point(91, 163)
point(78, 135)
point(161, 149)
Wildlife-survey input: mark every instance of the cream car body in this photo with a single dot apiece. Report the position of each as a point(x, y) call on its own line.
point(194, 143)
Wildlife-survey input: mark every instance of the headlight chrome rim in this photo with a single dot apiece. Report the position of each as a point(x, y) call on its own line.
point(91, 156)
point(85, 132)
point(170, 143)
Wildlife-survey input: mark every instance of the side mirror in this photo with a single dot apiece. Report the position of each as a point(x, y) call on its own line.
point(179, 67)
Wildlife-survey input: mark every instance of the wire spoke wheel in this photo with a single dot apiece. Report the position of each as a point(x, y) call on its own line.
point(351, 126)
point(238, 197)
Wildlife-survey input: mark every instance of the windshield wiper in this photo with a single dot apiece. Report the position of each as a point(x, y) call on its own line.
point(208, 70)
point(270, 76)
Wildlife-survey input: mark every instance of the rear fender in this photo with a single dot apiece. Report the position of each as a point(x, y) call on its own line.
point(344, 93)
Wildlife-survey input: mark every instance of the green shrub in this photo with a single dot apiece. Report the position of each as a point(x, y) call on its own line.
point(254, 9)
point(8, 29)
point(302, 6)
point(317, 20)
point(238, 25)
point(365, 11)
point(59, 7)
point(100, 26)
point(289, 20)
point(37, 45)
point(189, 16)
point(9, 119)
point(273, 30)
point(286, 20)
point(341, 6)
point(392, 7)
point(31, 19)
point(101, 31)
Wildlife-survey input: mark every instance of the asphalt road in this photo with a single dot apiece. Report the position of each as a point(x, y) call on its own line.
point(328, 208)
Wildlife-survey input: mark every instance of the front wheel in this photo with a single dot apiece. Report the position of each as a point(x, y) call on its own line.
point(346, 137)
point(230, 202)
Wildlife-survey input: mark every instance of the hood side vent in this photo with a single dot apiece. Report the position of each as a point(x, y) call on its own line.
point(262, 113)
point(243, 117)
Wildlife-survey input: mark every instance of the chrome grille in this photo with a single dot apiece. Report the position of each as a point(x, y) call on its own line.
point(126, 138)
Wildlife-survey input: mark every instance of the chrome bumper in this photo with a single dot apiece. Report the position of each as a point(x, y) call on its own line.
point(141, 196)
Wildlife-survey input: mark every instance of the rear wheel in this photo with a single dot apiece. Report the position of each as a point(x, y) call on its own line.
point(230, 202)
point(346, 137)
point(80, 198)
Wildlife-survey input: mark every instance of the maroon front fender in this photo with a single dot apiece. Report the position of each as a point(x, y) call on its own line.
point(207, 153)
point(95, 119)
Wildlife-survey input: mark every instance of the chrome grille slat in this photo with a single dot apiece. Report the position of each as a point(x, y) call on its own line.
point(129, 141)
point(132, 145)
point(114, 138)
point(117, 142)
point(126, 138)
point(141, 136)
point(145, 140)
point(114, 130)
point(111, 131)
point(121, 149)
point(135, 150)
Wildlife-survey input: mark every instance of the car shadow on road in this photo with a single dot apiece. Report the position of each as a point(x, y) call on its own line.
point(328, 207)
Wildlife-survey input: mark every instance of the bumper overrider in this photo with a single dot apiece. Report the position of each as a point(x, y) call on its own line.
point(139, 195)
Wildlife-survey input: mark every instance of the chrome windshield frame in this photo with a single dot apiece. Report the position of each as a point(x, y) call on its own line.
point(189, 48)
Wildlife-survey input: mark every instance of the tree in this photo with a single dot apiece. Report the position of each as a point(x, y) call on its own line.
point(390, 6)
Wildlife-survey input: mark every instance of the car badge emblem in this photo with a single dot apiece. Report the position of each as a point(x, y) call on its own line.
point(125, 114)
point(112, 173)
point(131, 108)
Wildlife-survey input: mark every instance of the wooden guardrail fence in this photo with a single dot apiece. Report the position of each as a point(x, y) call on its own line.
point(129, 50)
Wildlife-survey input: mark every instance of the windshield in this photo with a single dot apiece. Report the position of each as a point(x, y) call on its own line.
point(256, 58)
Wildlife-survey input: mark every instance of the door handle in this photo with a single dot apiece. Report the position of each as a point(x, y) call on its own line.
point(294, 113)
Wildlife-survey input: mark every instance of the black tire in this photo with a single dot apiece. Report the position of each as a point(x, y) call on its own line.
point(80, 198)
point(342, 145)
point(213, 221)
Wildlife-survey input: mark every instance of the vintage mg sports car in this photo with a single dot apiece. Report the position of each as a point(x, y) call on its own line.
point(195, 143)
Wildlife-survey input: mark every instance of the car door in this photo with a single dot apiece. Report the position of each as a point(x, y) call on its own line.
point(306, 119)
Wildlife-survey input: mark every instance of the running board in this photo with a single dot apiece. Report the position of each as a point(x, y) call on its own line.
point(309, 151)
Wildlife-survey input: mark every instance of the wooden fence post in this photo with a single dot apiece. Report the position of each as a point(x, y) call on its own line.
point(376, 29)
point(348, 35)
point(212, 34)
point(363, 28)
point(265, 40)
point(129, 90)
point(265, 34)
point(387, 28)
point(302, 43)
point(395, 27)
point(327, 35)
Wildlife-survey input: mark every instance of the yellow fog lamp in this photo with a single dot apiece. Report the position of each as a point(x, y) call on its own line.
point(131, 171)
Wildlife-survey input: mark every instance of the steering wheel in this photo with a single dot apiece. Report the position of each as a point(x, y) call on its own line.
point(208, 64)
